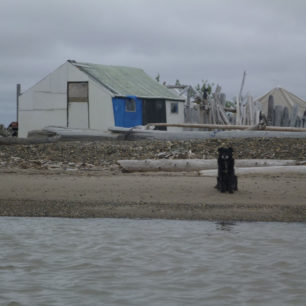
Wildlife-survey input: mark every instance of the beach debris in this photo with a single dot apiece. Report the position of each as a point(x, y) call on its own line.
point(101, 155)
point(10, 131)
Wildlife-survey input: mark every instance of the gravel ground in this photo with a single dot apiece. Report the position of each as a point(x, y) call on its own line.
point(103, 155)
point(83, 179)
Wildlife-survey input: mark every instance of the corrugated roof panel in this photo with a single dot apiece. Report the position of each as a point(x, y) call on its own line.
point(127, 81)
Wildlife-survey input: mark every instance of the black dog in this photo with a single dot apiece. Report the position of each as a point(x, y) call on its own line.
point(226, 180)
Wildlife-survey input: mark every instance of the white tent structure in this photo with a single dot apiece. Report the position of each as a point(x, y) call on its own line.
point(284, 98)
point(95, 97)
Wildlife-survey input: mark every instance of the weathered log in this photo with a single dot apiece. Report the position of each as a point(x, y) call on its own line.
point(222, 99)
point(238, 113)
point(298, 121)
point(303, 123)
point(27, 141)
point(304, 120)
point(285, 117)
point(225, 127)
point(294, 115)
point(260, 170)
point(187, 165)
point(219, 134)
point(278, 112)
point(251, 110)
point(270, 117)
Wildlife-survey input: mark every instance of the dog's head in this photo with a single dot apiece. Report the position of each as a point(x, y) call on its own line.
point(225, 153)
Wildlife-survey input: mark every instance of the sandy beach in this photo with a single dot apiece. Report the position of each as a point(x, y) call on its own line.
point(83, 179)
point(187, 196)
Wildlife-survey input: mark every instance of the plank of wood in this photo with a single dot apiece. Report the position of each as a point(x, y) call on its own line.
point(294, 115)
point(278, 112)
point(285, 117)
point(270, 116)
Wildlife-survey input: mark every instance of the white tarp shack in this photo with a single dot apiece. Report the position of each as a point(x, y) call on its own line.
point(96, 97)
point(284, 98)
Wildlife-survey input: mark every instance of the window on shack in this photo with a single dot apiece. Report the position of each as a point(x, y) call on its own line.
point(130, 105)
point(78, 92)
point(174, 108)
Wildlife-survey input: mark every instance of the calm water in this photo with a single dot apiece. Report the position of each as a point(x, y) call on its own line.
point(49, 261)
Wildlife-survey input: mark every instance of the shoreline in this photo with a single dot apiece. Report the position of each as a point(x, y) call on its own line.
point(188, 212)
point(269, 198)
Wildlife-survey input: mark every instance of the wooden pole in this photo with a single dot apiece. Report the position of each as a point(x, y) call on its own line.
point(294, 115)
point(251, 110)
point(238, 119)
point(304, 120)
point(278, 111)
point(270, 110)
point(188, 110)
point(285, 117)
point(17, 101)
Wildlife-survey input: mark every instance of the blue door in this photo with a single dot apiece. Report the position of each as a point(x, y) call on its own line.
point(127, 111)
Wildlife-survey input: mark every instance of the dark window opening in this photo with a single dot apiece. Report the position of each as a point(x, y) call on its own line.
point(130, 105)
point(174, 108)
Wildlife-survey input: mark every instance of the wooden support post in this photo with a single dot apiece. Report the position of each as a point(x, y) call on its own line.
point(294, 115)
point(187, 109)
point(18, 89)
point(298, 122)
point(238, 119)
point(270, 110)
point(304, 120)
point(223, 100)
point(212, 114)
point(278, 112)
point(251, 110)
point(285, 117)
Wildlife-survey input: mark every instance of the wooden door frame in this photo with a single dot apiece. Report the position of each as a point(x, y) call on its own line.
point(67, 100)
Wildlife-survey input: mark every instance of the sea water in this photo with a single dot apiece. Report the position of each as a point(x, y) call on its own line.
point(57, 261)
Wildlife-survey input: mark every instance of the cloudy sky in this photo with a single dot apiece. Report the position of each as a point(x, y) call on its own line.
point(189, 40)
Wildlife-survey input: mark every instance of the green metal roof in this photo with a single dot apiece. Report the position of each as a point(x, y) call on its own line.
point(127, 81)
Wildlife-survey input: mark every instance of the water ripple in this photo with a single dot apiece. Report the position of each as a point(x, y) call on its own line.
point(51, 261)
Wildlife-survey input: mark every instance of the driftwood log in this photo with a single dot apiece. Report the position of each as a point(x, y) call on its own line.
point(226, 127)
point(186, 165)
point(260, 170)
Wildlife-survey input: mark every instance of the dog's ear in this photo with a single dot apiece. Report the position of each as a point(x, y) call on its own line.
point(230, 149)
point(220, 150)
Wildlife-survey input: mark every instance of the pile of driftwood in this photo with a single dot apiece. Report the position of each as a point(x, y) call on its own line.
point(213, 110)
point(278, 115)
point(246, 112)
point(208, 110)
point(10, 131)
point(249, 111)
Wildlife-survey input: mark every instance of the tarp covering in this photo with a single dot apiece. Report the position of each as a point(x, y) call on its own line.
point(126, 118)
point(284, 98)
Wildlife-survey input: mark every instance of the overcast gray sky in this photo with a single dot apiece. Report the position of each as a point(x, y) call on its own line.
point(189, 40)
